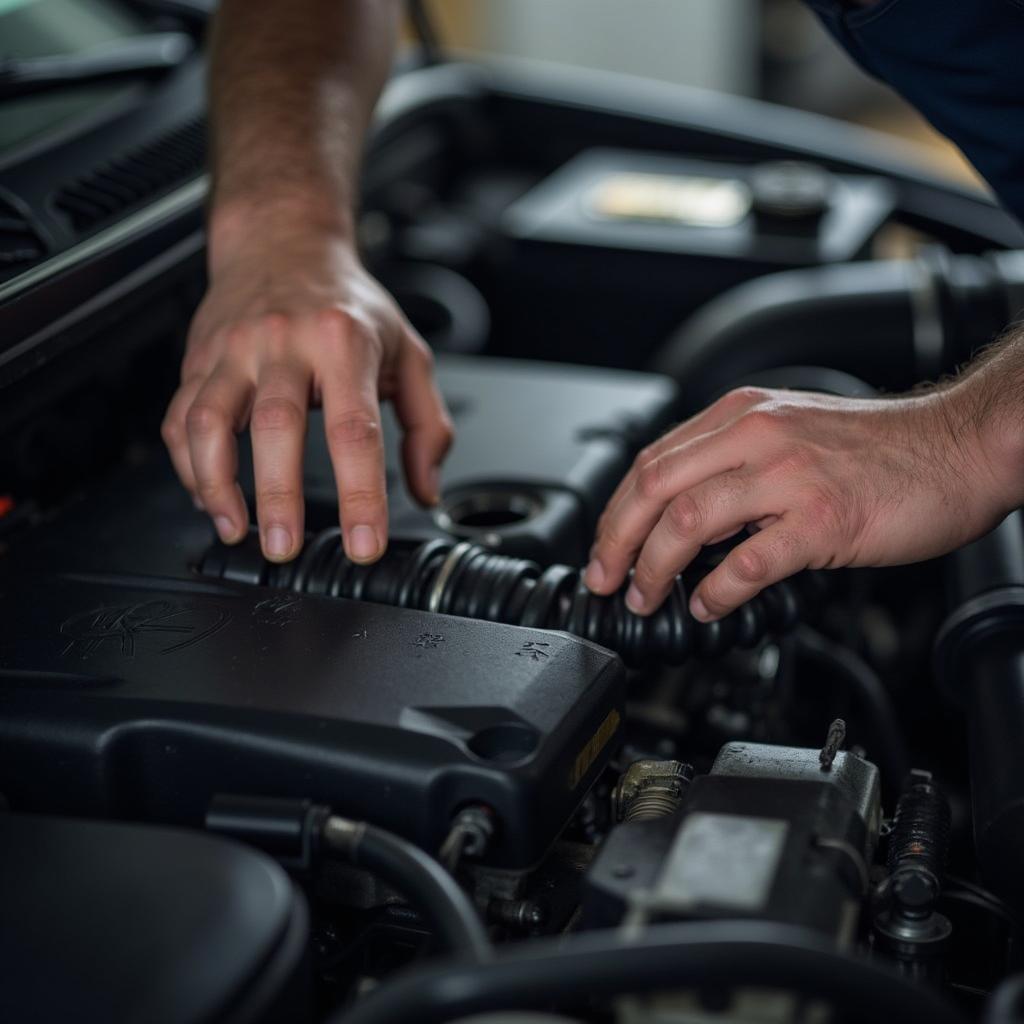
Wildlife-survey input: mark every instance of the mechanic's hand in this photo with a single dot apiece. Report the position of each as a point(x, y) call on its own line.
point(292, 318)
point(822, 482)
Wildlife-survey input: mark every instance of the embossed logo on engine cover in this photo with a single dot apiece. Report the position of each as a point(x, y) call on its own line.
point(159, 626)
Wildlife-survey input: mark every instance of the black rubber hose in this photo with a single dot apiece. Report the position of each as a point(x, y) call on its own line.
point(872, 696)
point(855, 317)
point(470, 581)
point(979, 663)
point(447, 310)
point(419, 878)
point(704, 954)
point(891, 322)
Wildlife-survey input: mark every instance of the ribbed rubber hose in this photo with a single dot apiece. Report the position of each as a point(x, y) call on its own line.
point(605, 964)
point(474, 582)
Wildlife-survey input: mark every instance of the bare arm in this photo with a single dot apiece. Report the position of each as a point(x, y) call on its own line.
point(292, 90)
point(291, 318)
point(826, 482)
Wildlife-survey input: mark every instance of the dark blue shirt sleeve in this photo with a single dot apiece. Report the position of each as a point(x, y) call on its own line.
point(960, 62)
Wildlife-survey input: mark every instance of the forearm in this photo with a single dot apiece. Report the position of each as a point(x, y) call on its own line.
point(292, 88)
point(983, 410)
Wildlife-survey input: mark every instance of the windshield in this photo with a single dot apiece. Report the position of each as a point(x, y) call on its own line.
point(40, 28)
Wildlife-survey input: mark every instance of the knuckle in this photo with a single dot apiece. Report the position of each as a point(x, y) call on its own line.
point(275, 495)
point(445, 433)
point(172, 431)
point(750, 565)
point(273, 415)
point(338, 324)
point(684, 517)
point(275, 333)
point(762, 420)
point(746, 396)
point(421, 353)
point(644, 458)
point(713, 593)
point(277, 326)
point(364, 499)
point(651, 480)
point(648, 577)
point(210, 489)
point(355, 429)
point(203, 419)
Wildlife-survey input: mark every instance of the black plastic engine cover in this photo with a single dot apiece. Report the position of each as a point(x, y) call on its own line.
point(130, 687)
point(109, 922)
point(142, 697)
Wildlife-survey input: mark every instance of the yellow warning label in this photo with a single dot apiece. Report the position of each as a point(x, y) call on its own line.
point(588, 755)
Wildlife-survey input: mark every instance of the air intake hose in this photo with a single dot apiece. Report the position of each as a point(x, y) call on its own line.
point(892, 323)
point(471, 581)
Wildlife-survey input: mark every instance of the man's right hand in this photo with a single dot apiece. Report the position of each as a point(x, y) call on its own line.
point(292, 319)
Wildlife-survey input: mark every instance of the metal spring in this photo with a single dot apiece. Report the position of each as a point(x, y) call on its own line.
point(920, 828)
point(464, 579)
point(654, 803)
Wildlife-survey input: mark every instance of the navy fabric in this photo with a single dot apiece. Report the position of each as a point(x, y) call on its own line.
point(960, 62)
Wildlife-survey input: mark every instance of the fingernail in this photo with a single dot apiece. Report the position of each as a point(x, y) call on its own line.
point(362, 542)
point(277, 542)
point(198, 502)
point(434, 482)
point(699, 610)
point(594, 576)
point(635, 601)
point(225, 528)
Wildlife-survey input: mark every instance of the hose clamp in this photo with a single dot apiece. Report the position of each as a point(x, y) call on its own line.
point(444, 574)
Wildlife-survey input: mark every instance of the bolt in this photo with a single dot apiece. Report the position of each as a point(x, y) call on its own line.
point(914, 892)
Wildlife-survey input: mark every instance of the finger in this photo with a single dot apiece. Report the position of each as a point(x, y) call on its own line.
point(770, 555)
point(352, 426)
point(425, 422)
point(716, 415)
point(278, 427)
point(670, 474)
point(217, 413)
point(700, 516)
point(175, 433)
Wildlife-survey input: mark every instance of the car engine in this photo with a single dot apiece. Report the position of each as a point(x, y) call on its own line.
point(454, 784)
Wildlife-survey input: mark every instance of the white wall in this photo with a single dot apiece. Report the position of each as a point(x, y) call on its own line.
point(711, 43)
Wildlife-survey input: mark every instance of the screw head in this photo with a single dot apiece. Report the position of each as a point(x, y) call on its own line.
point(913, 890)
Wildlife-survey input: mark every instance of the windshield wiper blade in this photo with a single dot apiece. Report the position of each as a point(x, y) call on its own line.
point(136, 56)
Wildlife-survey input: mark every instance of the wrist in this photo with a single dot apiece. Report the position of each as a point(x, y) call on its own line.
point(985, 414)
point(242, 223)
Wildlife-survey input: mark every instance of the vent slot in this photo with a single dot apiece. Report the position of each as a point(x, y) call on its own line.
point(20, 240)
point(134, 176)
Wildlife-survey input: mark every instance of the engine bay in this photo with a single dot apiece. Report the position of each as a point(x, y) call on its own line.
point(455, 784)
